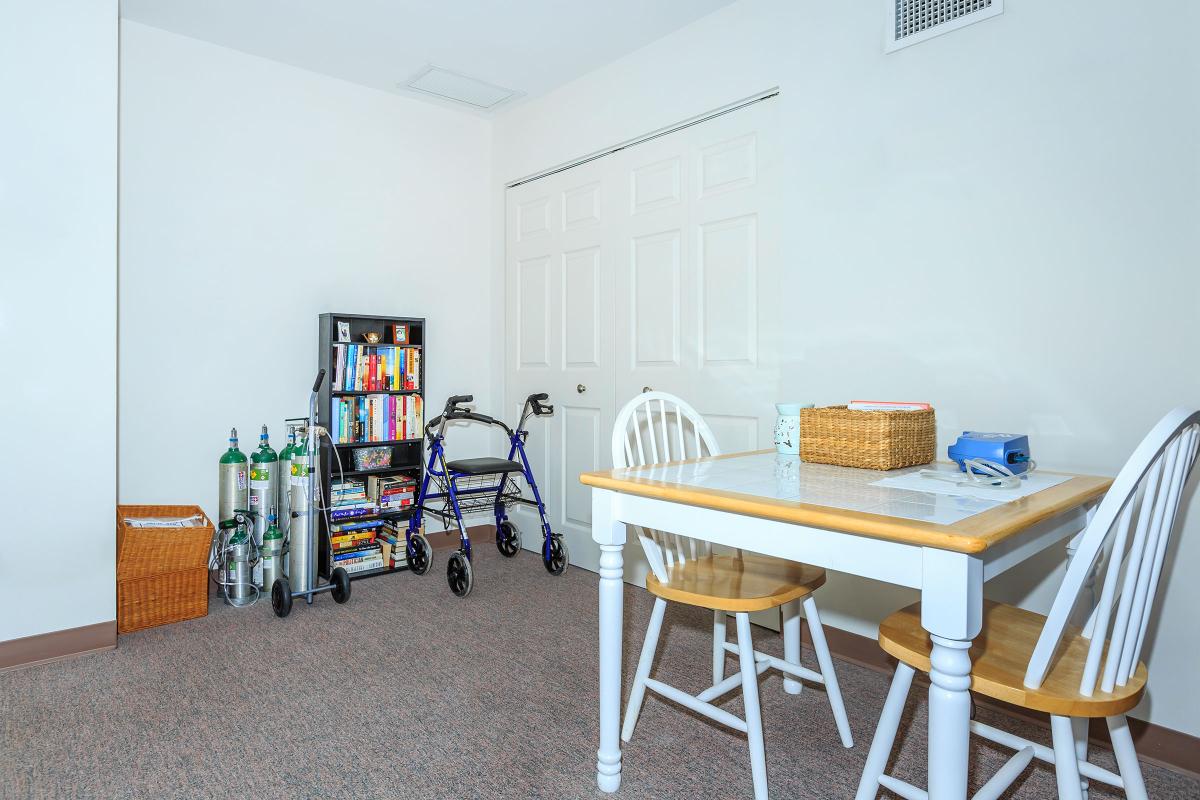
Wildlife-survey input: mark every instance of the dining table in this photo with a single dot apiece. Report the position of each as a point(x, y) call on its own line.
point(943, 538)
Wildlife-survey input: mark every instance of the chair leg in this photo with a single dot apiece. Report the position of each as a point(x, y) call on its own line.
point(1079, 725)
point(638, 693)
point(885, 732)
point(1066, 767)
point(758, 757)
point(719, 618)
point(791, 643)
point(1127, 760)
point(832, 689)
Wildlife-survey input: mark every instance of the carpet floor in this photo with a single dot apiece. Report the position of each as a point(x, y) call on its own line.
point(409, 692)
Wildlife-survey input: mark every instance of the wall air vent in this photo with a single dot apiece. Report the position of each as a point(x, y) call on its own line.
point(458, 88)
point(912, 21)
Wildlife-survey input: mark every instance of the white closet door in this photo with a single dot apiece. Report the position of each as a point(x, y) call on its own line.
point(653, 267)
point(560, 319)
point(698, 269)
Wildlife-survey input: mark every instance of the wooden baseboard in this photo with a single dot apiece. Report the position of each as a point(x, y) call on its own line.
point(1165, 747)
point(57, 645)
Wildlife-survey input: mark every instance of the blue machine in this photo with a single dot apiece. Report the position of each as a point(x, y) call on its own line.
point(1008, 449)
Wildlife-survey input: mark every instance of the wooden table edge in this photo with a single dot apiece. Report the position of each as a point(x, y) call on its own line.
point(972, 535)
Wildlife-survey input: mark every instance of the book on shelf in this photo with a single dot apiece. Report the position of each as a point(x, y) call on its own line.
point(363, 566)
point(377, 418)
point(392, 491)
point(346, 541)
point(357, 552)
point(351, 513)
point(376, 368)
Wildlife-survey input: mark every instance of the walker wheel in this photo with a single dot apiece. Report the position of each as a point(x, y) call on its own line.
point(281, 597)
point(341, 585)
point(556, 564)
point(508, 539)
point(458, 574)
point(420, 555)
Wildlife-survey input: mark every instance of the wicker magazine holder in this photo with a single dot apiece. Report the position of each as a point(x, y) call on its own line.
point(867, 439)
point(162, 573)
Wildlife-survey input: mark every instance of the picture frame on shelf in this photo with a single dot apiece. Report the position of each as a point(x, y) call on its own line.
point(343, 332)
point(400, 333)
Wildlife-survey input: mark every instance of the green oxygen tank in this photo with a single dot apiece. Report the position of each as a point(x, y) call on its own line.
point(264, 493)
point(286, 455)
point(272, 552)
point(233, 482)
point(238, 554)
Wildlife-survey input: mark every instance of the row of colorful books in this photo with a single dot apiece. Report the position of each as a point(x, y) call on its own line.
point(362, 546)
point(376, 368)
point(353, 497)
point(377, 418)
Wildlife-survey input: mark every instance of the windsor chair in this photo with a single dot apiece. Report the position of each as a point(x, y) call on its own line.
point(657, 428)
point(1045, 664)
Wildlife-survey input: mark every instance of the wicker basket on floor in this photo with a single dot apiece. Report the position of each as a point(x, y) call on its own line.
point(162, 599)
point(867, 439)
point(162, 573)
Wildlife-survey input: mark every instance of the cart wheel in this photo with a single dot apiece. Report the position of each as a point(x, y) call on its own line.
point(341, 585)
point(421, 557)
point(458, 574)
point(281, 597)
point(508, 539)
point(556, 564)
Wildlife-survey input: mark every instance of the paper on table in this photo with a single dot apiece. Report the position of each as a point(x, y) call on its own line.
point(913, 481)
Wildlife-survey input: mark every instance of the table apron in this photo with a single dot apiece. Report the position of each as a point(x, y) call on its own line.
point(880, 559)
point(1020, 547)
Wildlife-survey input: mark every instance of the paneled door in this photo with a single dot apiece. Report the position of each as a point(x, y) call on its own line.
point(697, 266)
point(653, 267)
point(560, 321)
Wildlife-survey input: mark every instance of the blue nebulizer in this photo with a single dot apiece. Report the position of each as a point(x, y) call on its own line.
point(1009, 449)
point(994, 460)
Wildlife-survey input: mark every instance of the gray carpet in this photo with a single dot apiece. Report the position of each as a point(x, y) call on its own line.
point(409, 692)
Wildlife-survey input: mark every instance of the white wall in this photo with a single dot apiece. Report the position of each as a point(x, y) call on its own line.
point(1035, 174)
point(254, 197)
point(58, 281)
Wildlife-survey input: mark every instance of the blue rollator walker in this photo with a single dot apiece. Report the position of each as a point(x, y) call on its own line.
point(478, 484)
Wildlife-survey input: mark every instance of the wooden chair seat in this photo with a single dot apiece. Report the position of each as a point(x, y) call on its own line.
point(737, 583)
point(1000, 655)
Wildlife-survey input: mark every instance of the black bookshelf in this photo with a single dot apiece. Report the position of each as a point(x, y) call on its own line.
point(407, 454)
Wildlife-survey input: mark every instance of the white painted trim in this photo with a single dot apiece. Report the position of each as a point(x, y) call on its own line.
point(646, 137)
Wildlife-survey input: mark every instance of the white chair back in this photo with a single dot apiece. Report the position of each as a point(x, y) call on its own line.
point(658, 428)
point(1143, 500)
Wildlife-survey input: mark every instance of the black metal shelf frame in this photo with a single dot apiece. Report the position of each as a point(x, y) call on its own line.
point(408, 455)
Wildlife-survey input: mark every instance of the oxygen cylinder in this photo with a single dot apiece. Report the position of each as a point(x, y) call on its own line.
point(272, 552)
point(238, 571)
point(300, 535)
point(233, 483)
point(264, 492)
point(285, 477)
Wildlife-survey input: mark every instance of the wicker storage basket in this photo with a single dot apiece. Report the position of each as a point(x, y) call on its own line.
point(160, 599)
point(867, 439)
point(142, 552)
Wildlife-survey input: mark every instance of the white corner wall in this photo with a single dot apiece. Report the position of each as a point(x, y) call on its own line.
point(255, 196)
point(58, 282)
point(1003, 221)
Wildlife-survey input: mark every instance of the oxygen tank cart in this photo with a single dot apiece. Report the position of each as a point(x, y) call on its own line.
point(302, 538)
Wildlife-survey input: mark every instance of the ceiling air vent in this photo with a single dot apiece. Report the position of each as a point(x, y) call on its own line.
point(915, 21)
point(459, 88)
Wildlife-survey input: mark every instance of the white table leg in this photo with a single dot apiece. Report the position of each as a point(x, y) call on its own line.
point(791, 643)
point(611, 537)
point(952, 612)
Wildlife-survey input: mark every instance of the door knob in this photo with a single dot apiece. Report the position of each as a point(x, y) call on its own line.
point(646, 389)
point(581, 388)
